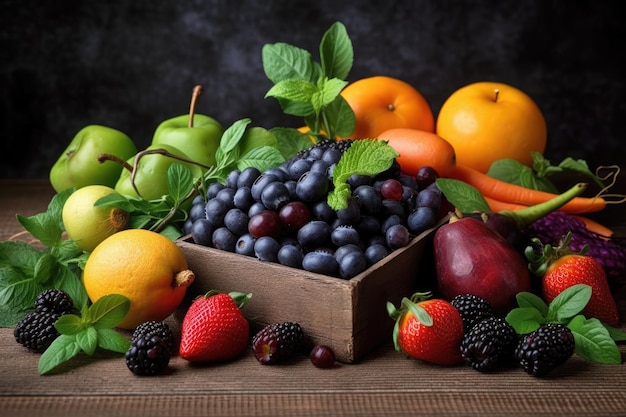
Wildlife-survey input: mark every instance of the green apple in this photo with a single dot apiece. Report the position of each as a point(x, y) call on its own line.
point(88, 225)
point(151, 176)
point(198, 140)
point(78, 165)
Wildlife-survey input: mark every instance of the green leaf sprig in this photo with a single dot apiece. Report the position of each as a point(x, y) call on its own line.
point(538, 177)
point(26, 271)
point(239, 148)
point(309, 89)
point(363, 157)
point(594, 340)
point(91, 330)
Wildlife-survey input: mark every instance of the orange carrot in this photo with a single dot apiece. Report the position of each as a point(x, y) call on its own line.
point(496, 205)
point(595, 227)
point(510, 193)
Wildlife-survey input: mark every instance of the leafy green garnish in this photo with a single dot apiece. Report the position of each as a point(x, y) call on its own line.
point(26, 271)
point(238, 149)
point(363, 157)
point(463, 196)
point(87, 332)
point(538, 176)
point(308, 89)
point(594, 340)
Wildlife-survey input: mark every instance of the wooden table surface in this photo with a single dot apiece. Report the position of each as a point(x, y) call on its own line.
point(385, 383)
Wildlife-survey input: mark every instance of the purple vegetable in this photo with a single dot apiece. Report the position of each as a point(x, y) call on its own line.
point(551, 229)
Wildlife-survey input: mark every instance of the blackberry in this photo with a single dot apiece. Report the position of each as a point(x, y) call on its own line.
point(472, 309)
point(489, 344)
point(147, 356)
point(54, 301)
point(36, 330)
point(276, 341)
point(156, 328)
point(544, 349)
point(340, 145)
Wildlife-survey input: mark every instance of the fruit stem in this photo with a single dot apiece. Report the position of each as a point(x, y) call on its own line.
point(197, 90)
point(496, 94)
point(184, 278)
point(525, 217)
point(114, 158)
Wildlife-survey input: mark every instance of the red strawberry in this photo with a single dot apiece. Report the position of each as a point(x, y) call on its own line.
point(560, 268)
point(428, 329)
point(214, 328)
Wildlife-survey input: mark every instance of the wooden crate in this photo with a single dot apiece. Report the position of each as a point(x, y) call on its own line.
point(350, 316)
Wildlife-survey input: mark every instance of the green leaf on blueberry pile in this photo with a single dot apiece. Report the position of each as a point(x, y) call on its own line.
point(538, 176)
point(91, 330)
point(363, 157)
point(594, 340)
point(308, 89)
point(25, 271)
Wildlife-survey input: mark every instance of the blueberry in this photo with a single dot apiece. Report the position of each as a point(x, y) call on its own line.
point(224, 239)
point(266, 249)
point(236, 221)
point(245, 245)
point(312, 186)
point(247, 177)
point(202, 232)
point(421, 219)
point(352, 264)
point(314, 233)
point(320, 262)
point(243, 198)
point(290, 255)
point(343, 235)
point(215, 210)
point(275, 195)
point(375, 253)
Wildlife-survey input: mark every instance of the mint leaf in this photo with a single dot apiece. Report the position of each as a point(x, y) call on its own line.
point(340, 118)
point(62, 349)
point(45, 268)
point(593, 341)
point(108, 311)
point(336, 54)
point(111, 340)
point(69, 324)
point(363, 157)
point(528, 299)
point(87, 340)
point(525, 319)
point(47, 227)
point(179, 183)
point(290, 141)
point(307, 89)
point(463, 196)
point(231, 137)
point(569, 303)
point(263, 158)
point(282, 61)
point(327, 91)
point(299, 91)
point(514, 172)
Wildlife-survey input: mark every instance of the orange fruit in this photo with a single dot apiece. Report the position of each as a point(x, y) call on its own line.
point(381, 103)
point(144, 266)
point(488, 121)
point(418, 148)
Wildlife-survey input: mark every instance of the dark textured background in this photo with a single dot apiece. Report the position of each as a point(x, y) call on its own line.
point(132, 64)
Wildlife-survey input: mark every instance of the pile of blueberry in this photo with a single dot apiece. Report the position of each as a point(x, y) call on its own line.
point(282, 214)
